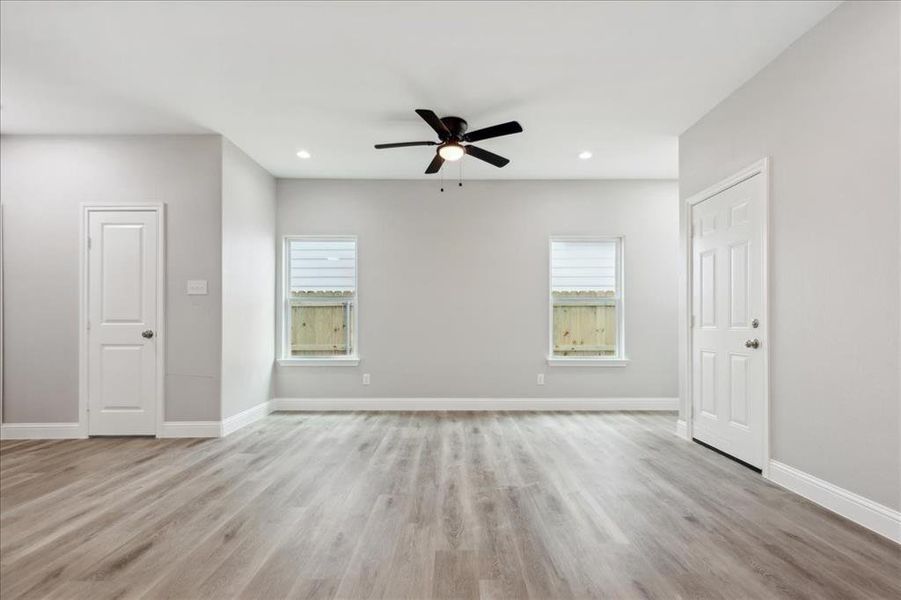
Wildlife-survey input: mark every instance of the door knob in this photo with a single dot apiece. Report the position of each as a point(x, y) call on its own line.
point(147, 333)
point(755, 343)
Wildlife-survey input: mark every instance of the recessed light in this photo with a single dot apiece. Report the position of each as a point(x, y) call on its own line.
point(303, 154)
point(585, 155)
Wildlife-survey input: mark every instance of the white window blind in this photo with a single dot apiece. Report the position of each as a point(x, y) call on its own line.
point(322, 265)
point(583, 266)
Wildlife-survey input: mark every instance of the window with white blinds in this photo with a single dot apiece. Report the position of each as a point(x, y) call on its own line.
point(323, 265)
point(320, 297)
point(586, 298)
point(583, 266)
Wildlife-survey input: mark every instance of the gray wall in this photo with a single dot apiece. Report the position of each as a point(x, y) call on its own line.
point(248, 281)
point(827, 113)
point(43, 182)
point(453, 287)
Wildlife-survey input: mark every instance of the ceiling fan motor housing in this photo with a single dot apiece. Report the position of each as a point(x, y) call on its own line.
point(456, 126)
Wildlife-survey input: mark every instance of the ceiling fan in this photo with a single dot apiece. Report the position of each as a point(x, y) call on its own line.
point(452, 133)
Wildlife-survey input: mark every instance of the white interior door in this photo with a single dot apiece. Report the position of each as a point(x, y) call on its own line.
point(727, 345)
point(122, 322)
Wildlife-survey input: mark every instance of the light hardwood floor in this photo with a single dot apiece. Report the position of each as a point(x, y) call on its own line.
point(420, 505)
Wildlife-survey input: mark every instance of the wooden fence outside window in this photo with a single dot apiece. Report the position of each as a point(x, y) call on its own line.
point(321, 323)
point(584, 323)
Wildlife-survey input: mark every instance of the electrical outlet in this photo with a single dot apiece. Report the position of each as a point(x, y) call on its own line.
point(365, 378)
point(541, 379)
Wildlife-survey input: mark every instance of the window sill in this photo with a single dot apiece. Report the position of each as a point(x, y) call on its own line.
point(561, 361)
point(341, 361)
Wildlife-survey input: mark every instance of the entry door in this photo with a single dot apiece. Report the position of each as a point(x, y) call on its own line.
point(728, 365)
point(122, 322)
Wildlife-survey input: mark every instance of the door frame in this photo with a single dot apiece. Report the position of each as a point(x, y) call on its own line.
point(761, 167)
point(160, 332)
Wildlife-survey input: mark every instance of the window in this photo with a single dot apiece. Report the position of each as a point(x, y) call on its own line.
point(320, 300)
point(586, 301)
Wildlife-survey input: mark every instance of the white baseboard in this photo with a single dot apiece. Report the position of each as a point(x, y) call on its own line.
point(474, 404)
point(42, 431)
point(246, 417)
point(191, 429)
point(682, 429)
point(874, 516)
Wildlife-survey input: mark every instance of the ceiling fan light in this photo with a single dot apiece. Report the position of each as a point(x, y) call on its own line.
point(451, 151)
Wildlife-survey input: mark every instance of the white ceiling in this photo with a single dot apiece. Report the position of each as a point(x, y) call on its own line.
point(621, 79)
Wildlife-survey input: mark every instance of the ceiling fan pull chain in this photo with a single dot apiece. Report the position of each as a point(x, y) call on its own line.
point(460, 183)
point(442, 180)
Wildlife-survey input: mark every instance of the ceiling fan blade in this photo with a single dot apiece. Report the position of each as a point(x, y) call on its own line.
point(488, 157)
point(435, 165)
point(434, 122)
point(493, 131)
point(404, 145)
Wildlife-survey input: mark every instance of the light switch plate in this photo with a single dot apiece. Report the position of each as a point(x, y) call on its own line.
point(197, 287)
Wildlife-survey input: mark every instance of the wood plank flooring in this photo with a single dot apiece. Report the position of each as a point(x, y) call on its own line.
point(420, 505)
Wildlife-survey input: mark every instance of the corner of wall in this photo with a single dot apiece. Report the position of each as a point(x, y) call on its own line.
point(247, 255)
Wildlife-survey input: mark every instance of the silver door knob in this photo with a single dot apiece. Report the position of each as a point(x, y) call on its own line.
point(147, 333)
point(755, 343)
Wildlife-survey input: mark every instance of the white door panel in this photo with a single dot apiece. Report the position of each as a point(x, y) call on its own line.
point(727, 300)
point(122, 311)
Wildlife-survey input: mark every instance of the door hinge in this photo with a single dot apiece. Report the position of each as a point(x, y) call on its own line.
point(89, 324)
point(89, 242)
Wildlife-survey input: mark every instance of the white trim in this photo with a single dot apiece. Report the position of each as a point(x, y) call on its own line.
point(682, 430)
point(322, 361)
point(191, 429)
point(619, 300)
point(42, 431)
point(760, 167)
point(86, 210)
point(246, 417)
point(874, 516)
point(474, 404)
point(571, 361)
